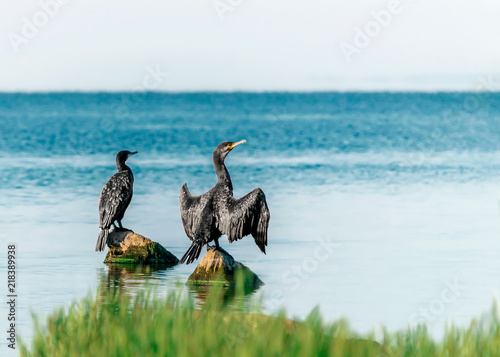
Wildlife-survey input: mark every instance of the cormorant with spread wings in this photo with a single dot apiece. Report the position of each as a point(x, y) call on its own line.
point(115, 198)
point(215, 213)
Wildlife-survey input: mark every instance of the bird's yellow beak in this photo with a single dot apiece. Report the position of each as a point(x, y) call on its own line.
point(233, 145)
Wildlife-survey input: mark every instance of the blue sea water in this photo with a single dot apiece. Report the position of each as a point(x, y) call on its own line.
point(384, 206)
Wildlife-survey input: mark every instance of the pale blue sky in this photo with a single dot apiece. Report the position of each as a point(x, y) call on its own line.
point(248, 45)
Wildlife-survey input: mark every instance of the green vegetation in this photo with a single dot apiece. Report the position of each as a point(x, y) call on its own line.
point(119, 325)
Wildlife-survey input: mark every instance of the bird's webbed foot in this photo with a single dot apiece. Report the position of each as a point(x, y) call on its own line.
point(211, 247)
point(217, 247)
point(120, 228)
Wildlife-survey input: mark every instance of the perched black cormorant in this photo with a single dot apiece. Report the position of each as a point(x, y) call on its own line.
point(217, 212)
point(115, 198)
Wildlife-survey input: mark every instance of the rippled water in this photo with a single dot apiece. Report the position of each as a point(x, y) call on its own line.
point(384, 206)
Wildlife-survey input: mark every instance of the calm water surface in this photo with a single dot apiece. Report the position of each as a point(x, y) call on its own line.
point(384, 206)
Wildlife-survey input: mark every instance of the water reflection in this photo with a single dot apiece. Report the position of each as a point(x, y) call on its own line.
point(128, 280)
point(230, 296)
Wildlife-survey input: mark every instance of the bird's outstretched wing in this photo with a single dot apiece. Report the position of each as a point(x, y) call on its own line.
point(115, 198)
point(192, 208)
point(244, 216)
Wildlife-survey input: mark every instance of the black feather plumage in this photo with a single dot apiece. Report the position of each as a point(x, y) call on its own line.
point(215, 213)
point(115, 198)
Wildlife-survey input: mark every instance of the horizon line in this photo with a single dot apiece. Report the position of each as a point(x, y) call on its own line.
point(216, 91)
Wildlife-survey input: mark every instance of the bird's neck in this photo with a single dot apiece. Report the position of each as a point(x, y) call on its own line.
point(121, 166)
point(222, 173)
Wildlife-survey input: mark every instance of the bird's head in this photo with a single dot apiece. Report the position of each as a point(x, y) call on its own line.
point(123, 155)
point(225, 148)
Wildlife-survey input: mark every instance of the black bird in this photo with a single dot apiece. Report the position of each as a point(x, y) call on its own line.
point(217, 212)
point(115, 198)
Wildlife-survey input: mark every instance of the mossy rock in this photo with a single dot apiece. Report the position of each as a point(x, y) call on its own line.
point(219, 267)
point(127, 247)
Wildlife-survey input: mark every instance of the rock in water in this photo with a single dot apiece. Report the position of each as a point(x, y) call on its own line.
point(219, 267)
point(128, 247)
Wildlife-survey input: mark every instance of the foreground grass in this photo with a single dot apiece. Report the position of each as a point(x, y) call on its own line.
point(144, 326)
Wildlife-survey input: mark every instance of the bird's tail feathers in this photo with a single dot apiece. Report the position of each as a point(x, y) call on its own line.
point(102, 239)
point(193, 253)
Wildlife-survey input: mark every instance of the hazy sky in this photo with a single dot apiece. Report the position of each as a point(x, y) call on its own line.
point(248, 44)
